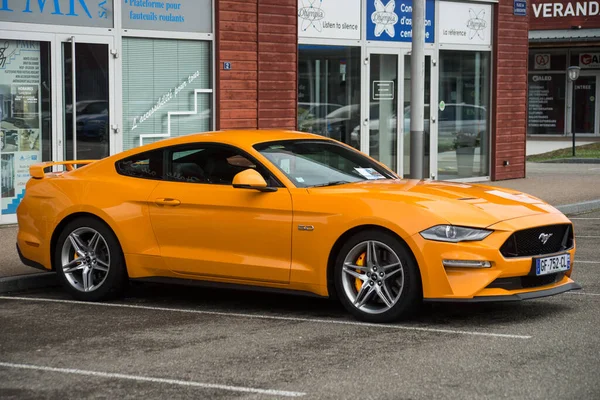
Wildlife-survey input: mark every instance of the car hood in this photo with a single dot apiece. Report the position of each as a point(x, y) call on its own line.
point(458, 203)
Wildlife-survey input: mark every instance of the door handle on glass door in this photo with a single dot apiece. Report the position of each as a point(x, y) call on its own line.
point(167, 202)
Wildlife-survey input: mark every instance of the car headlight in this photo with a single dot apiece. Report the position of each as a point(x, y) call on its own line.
point(455, 234)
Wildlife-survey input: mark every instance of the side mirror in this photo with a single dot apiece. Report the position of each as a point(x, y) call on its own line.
point(251, 179)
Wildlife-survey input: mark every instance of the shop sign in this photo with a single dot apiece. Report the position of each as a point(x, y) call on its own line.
point(89, 13)
point(329, 19)
point(541, 61)
point(562, 9)
point(176, 15)
point(589, 60)
point(465, 23)
point(20, 116)
point(383, 90)
point(392, 20)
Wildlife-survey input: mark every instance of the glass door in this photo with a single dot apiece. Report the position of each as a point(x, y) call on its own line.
point(86, 117)
point(387, 110)
point(584, 105)
point(382, 108)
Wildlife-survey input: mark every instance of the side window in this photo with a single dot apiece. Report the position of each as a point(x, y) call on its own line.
point(147, 165)
point(208, 163)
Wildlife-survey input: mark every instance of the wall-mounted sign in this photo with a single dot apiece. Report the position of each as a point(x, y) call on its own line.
point(566, 9)
point(330, 19)
point(175, 15)
point(392, 20)
point(589, 60)
point(465, 23)
point(89, 13)
point(520, 8)
point(541, 61)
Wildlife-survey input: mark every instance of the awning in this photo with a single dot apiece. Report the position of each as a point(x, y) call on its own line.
point(564, 35)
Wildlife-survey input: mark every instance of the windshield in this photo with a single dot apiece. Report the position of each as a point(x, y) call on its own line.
point(311, 163)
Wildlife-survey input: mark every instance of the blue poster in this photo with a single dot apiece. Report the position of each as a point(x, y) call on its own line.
point(391, 20)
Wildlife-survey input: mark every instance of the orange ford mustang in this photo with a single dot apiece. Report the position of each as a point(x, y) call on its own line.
point(285, 210)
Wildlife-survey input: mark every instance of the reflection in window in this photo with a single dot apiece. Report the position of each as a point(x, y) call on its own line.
point(329, 92)
point(173, 71)
point(463, 129)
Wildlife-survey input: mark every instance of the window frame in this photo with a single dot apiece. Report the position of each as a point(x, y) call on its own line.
point(167, 160)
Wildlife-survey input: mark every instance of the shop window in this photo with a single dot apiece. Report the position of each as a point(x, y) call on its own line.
point(546, 94)
point(329, 92)
point(25, 115)
point(464, 129)
point(166, 89)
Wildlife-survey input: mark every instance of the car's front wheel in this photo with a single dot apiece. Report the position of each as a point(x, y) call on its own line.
point(89, 261)
point(376, 278)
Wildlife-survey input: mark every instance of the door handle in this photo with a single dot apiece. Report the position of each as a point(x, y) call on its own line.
point(167, 202)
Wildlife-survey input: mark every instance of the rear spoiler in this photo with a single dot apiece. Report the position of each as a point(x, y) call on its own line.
point(37, 171)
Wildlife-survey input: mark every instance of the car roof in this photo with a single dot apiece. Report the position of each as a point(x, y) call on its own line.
point(243, 138)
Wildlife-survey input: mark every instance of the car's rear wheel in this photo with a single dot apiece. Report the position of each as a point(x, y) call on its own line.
point(376, 278)
point(89, 261)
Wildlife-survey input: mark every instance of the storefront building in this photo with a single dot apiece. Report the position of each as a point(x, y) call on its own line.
point(563, 34)
point(83, 79)
point(86, 79)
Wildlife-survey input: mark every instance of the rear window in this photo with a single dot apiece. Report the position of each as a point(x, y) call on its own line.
point(147, 165)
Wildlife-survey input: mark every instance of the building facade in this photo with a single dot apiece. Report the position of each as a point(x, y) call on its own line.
point(563, 34)
point(86, 79)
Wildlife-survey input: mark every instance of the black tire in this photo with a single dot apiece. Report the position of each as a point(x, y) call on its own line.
point(111, 284)
point(411, 295)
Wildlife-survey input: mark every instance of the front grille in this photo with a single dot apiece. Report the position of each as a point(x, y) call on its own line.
point(525, 282)
point(529, 242)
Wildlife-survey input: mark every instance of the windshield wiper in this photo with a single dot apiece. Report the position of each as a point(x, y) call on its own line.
point(332, 183)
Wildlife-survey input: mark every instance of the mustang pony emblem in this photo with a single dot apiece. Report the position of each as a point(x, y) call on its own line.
point(544, 237)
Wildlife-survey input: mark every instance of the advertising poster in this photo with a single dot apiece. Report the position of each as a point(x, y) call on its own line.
point(390, 20)
point(20, 117)
point(546, 103)
point(326, 19)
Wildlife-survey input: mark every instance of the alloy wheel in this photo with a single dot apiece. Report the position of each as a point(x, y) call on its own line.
point(85, 259)
point(373, 277)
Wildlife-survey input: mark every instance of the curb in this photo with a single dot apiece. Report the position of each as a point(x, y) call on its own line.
point(577, 208)
point(27, 282)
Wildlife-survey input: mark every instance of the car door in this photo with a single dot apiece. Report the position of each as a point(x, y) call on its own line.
point(206, 227)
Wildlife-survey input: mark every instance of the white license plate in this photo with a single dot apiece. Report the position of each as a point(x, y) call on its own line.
point(550, 265)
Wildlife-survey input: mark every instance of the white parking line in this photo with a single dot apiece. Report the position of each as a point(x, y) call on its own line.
point(154, 380)
point(584, 293)
point(273, 317)
point(586, 262)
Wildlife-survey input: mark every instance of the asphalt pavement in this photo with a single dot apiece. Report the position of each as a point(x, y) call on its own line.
point(184, 342)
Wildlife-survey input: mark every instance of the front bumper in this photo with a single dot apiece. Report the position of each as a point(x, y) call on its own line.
point(483, 284)
point(516, 296)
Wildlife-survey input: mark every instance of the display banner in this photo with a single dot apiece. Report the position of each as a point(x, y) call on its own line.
point(465, 23)
point(329, 19)
point(89, 13)
point(392, 20)
point(177, 15)
point(20, 118)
